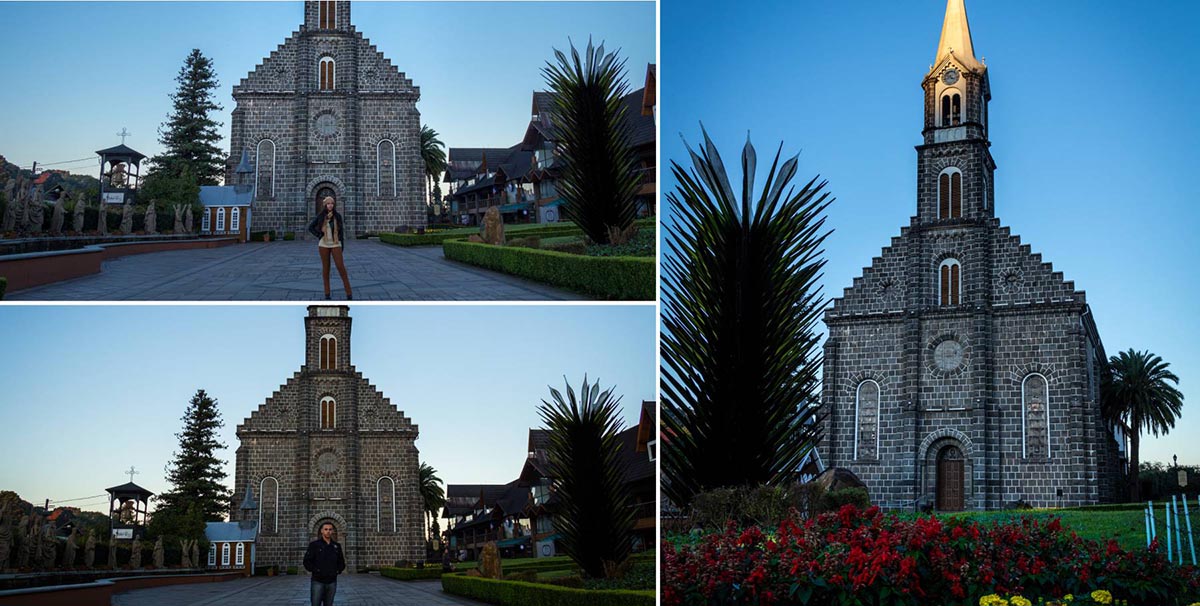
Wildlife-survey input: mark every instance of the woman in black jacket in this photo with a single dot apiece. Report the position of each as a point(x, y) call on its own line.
point(329, 228)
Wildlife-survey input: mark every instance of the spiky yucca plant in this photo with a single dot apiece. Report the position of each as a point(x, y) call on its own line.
point(741, 302)
point(594, 517)
point(598, 182)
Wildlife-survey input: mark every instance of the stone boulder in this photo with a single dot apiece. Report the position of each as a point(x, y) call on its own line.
point(493, 227)
point(489, 561)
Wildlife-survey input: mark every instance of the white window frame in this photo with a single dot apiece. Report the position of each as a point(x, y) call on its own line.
point(235, 219)
point(333, 410)
point(378, 509)
point(322, 349)
point(948, 93)
point(240, 554)
point(212, 554)
point(258, 162)
point(858, 404)
point(332, 74)
point(950, 261)
point(206, 220)
point(224, 554)
point(261, 485)
point(221, 219)
point(379, 162)
point(950, 170)
point(1025, 411)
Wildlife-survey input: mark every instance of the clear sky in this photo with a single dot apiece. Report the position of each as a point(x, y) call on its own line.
point(98, 389)
point(79, 72)
point(1093, 122)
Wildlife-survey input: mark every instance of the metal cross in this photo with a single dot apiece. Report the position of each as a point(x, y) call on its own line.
point(124, 133)
point(131, 473)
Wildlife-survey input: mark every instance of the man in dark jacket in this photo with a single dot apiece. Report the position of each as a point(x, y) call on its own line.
point(324, 559)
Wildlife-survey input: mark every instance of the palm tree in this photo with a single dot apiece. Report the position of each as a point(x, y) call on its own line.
point(1137, 396)
point(433, 498)
point(433, 155)
point(598, 181)
point(595, 519)
point(741, 300)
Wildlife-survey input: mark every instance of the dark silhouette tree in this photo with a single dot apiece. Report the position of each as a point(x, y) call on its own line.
point(196, 473)
point(1137, 395)
point(190, 135)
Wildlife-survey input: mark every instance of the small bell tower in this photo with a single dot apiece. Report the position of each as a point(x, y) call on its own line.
point(327, 15)
point(327, 342)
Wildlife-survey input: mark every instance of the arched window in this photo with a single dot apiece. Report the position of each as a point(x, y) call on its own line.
point(264, 169)
point(241, 555)
point(951, 282)
point(327, 14)
point(328, 413)
point(328, 352)
point(224, 554)
point(385, 168)
point(206, 220)
point(268, 512)
point(221, 219)
point(866, 420)
point(950, 194)
point(327, 73)
point(212, 554)
point(385, 504)
point(235, 219)
point(1035, 417)
point(951, 108)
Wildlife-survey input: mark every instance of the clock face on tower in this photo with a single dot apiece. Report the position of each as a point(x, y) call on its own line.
point(950, 77)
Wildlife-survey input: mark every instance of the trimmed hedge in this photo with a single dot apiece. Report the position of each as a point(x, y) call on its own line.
point(519, 593)
point(548, 229)
point(624, 278)
point(411, 574)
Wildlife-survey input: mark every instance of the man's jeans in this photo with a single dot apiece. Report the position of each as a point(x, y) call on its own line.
point(322, 593)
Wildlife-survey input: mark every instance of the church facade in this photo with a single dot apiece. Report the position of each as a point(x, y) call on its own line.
point(329, 447)
point(961, 370)
point(327, 114)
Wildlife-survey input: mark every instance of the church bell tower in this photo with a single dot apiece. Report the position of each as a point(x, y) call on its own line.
point(954, 164)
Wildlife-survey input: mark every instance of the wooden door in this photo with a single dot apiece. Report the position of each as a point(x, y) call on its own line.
point(950, 487)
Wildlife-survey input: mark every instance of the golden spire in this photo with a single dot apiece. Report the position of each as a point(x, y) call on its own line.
point(956, 38)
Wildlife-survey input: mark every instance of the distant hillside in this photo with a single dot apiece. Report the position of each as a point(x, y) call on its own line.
point(71, 182)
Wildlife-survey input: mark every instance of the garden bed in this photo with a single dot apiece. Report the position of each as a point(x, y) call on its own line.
point(411, 574)
point(520, 593)
point(510, 231)
point(622, 278)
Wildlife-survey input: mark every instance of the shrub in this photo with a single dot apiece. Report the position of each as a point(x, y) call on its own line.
point(864, 557)
point(293, 570)
point(517, 593)
point(411, 574)
point(571, 580)
point(835, 499)
point(289, 235)
point(767, 505)
point(624, 278)
point(576, 247)
point(260, 236)
point(526, 242)
point(528, 576)
point(3, 287)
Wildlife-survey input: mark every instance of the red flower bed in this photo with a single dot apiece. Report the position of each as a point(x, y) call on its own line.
point(867, 558)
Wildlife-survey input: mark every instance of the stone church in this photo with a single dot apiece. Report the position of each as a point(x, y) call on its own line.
point(327, 114)
point(329, 447)
point(961, 370)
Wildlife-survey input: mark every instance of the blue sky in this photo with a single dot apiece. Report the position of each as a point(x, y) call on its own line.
point(79, 72)
point(1093, 124)
point(98, 389)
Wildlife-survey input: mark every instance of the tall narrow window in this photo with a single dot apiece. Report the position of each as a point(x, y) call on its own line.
point(224, 554)
point(235, 219)
point(268, 513)
point(241, 555)
point(327, 14)
point(956, 110)
point(328, 352)
point(221, 219)
point(1035, 417)
point(950, 194)
point(212, 554)
point(385, 504)
point(866, 420)
point(264, 169)
point(328, 413)
point(206, 220)
point(385, 168)
point(950, 282)
point(945, 110)
point(327, 73)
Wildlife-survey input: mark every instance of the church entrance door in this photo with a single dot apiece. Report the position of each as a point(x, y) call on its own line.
point(950, 479)
point(326, 190)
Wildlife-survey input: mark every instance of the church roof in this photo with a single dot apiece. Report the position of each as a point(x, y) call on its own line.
point(229, 531)
point(956, 38)
point(128, 488)
point(225, 195)
point(122, 150)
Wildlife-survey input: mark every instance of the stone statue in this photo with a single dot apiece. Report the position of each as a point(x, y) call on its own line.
point(151, 218)
point(489, 559)
point(89, 551)
point(23, 546)
point(6, 538)
point(33, 537)
point(14, 214)
point(112, 553)
point(127, 218)
point(10, 205)
point(184, 558)
point(135, 554)
point(179, 219)
point(49, 548)
point(77, 218)
point(102, 219)
point(195, 554)
point(158, 553)
point(36, 214)
point(68, 560)
point(493, 227)
point(187, 219)
point(56, 220)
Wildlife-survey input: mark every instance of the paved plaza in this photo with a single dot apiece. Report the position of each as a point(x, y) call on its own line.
point(291, 271)
point(353, 590)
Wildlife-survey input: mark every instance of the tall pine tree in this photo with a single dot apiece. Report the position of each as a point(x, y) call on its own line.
point(196, 474)
point(189, 134)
